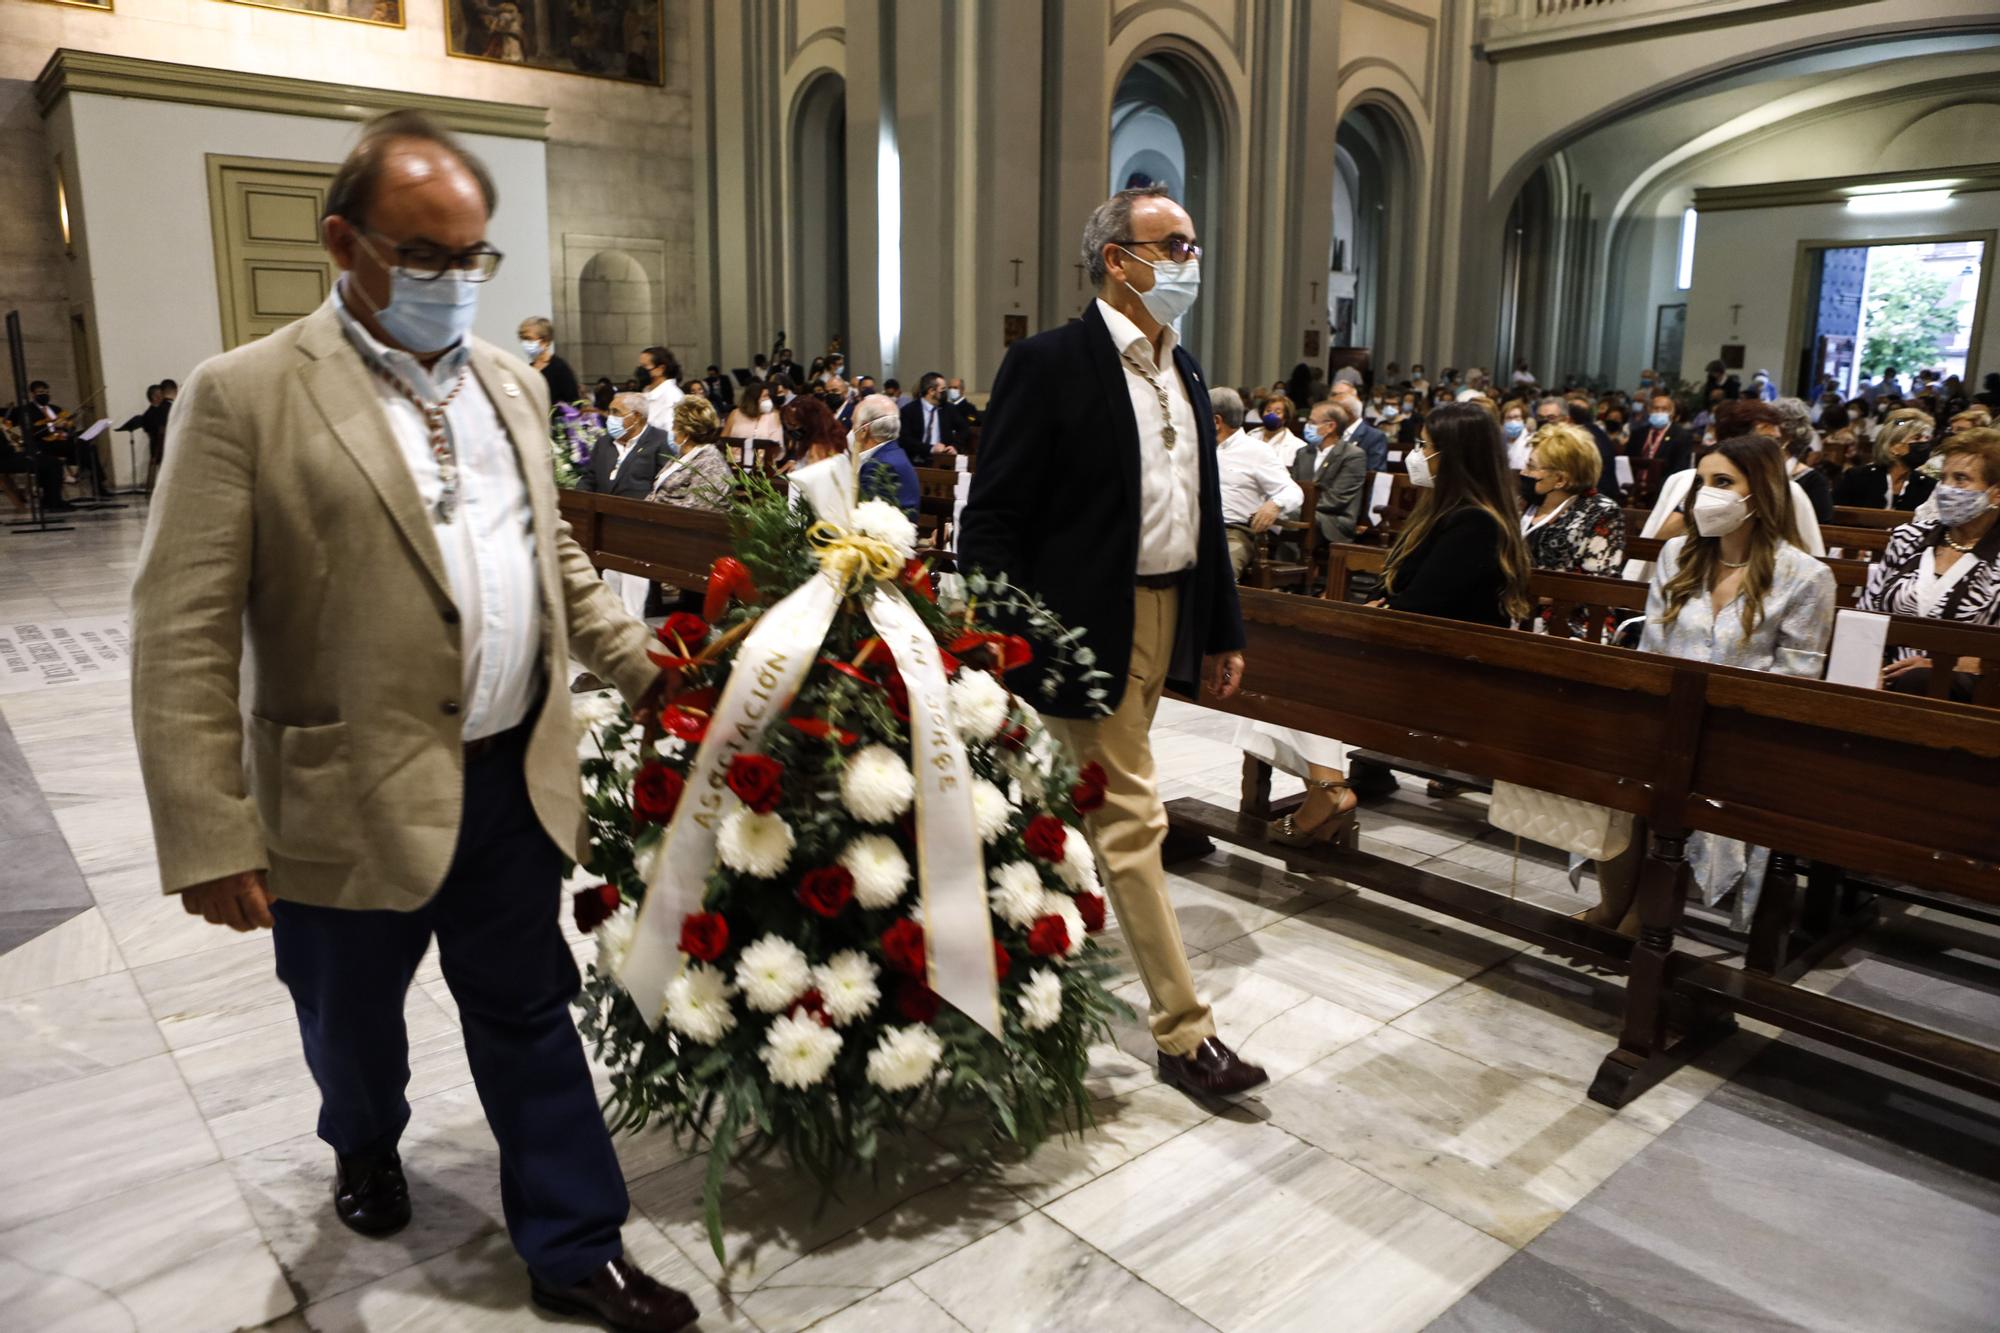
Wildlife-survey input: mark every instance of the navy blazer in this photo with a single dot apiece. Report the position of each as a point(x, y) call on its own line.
point(889, 473)
point(1055, 508)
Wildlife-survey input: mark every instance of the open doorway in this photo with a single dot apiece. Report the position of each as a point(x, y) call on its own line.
point(1879, 315)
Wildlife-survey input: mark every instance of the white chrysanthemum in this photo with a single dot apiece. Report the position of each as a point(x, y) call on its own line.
point(991, 810)
point(772, 973)
point(614, 938)
point(754, 844)
point(596, 710)
point(904, 1058)
point(877, 785)
point(1079, 864)
point(670, 747)
point(886, 522)
point(847, 986)
point(1062, 905)
point(798, 1050)
point(1017, 895)
point(1041, 1001)
point(978, 704)
point(881, 871)
point(698, 1004)
point(627, 758)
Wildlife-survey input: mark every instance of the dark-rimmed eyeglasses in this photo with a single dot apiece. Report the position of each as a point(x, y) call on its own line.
point(1179, 248)
point(427, 262)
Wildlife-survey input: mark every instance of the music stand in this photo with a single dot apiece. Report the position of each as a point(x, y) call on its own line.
point(131, 425)
point(96, 501)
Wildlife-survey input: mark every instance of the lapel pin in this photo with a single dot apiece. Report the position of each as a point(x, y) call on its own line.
point(511, 389)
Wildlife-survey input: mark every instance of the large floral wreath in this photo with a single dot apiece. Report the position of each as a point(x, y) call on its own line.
point(800, 1018)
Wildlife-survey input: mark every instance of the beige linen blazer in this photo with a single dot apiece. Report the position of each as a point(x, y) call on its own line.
point(296, 665)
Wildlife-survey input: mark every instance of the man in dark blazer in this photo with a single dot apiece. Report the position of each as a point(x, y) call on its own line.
point(1097, 491)
point(626, 463)
point(1660, 442)
point(932, 427)
point(1334, 461)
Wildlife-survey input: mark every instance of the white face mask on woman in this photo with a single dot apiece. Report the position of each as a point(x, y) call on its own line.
point(1717, 513)
point(1419, 464)
point(763, 407)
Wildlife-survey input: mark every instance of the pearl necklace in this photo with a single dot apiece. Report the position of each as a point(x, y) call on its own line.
point(1966, 548)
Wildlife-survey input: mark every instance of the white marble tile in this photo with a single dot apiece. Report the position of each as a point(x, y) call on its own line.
point(902, 1308)
point(215, 993)
point(1124, 1127)
point(65, 1032)
point(1552, 1027)
point(1364, 954)
point(112, 840)
point(1484, 1146)
point(152, 927)
point(1252, 1229)
point(141, 1126)
point(76, 950)
point(1035, 1275)
point(177, 1254)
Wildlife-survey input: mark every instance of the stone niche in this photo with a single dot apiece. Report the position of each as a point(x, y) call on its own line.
point(615, 299)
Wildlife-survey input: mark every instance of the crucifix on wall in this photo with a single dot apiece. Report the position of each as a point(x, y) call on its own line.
point(1017, 271)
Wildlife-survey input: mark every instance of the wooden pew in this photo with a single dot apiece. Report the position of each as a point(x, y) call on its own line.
point(1271, 567)
point(1780, 762)
point(1856, 541)
point(665, 543)
point(937, 504)
point(1848, 516)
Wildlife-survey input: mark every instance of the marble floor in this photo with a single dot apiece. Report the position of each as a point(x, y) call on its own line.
point(1423, 1155)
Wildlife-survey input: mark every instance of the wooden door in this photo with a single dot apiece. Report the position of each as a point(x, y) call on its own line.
point(269, 266)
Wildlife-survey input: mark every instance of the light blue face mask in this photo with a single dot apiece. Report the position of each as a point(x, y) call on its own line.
point(1512, 429)
point(615, 426)
point(1174, 288)
point(1312, 433)
point(1658, 420)
point(424, 314)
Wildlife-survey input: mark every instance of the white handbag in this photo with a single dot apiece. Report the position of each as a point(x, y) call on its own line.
point(1577, 827)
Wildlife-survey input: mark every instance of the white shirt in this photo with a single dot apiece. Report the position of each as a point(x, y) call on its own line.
point(1285, 448)
point(931, 424)
point(660, 401)
point(489, 545)
point(1933, 587)
point(1169, 479)
point(1251, 477)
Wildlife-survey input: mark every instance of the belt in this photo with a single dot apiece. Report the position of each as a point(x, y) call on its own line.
point(1162, 581)
point(488, 746)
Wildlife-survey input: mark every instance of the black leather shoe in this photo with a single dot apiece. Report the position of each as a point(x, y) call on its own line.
point(370, 1194)
point(621, 1297)
point(1210, 1070)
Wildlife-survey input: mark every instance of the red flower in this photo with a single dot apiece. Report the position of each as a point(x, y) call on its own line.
point(593, 906)
point(655, 793)
point(1094, 774)
point(827, 890)
point(1013, 737)
point(758, 781)
point(727, 578)
point(685, 628)
point(1002, 964)
point(1045, 837)
point(698, 701)
point(819, 729)
point(899, 696)
point(918, 579)
point(1090, 906)
point(684, 725)
point(1087, 796)
point(704, 935)
point(812, 1002)
point(1049, 936)
point(903, 947)
point(916, 1002)
point(877, 654)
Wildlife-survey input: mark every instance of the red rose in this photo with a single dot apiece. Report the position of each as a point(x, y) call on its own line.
point(1045, 837)
point(593, 906)
point(1013, 737)
point(903, 947)
point(686, 627)
point(684, 725)
point(655, 793)
point(1049, 936)
point(916, 1002)
point(1087, 797)
point(1002, 964)
point(1090, 906)
point(827, 890)
point(1093, 773)
point(758, 781)
point(704, 935)
point(812, 1002)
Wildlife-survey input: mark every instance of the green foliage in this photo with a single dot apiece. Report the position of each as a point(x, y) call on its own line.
point(1910, 317)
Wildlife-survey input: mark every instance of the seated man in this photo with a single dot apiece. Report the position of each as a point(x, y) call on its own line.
point(1335, 461)
point(46, 468)
point(1255, 487)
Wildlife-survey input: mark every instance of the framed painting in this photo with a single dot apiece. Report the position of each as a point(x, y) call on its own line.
point(388, 13)
point(607, 39)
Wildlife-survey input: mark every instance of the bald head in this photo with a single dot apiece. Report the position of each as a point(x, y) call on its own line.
point(877, 420)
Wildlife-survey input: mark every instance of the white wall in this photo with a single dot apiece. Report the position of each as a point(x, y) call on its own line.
point(1748, 257)
point(141, 187)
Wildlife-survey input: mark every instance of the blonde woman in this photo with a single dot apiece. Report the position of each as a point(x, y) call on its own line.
point(700, 478)
point(1892, 480)
point(1568, 526)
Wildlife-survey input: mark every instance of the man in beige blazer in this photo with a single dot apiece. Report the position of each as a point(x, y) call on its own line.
point(352, 620)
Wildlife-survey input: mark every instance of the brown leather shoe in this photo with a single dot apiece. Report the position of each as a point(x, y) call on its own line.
point(621, 1297)
point(1210, 1070)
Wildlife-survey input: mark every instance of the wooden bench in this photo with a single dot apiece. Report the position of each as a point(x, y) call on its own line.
point(937, 506)
point(1849, 516)
point(1272, 566)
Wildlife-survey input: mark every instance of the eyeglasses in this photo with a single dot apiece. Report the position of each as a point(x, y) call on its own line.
point(1179, 248)
point(427, 262)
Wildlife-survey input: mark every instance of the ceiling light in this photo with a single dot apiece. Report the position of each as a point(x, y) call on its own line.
point(1903, 201)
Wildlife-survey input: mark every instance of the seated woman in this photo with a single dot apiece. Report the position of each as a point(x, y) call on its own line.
point(1892, 480)
point(701, 477)
point(1568, 526)
point(1459, 557)
point(1739, 591)
point(755, 418)
point(1278, 427)
point(1947, 567)
point(811, 433)
point(1800, 442)
point(1740, 416)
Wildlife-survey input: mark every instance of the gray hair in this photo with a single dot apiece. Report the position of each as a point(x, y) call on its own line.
point(1228, 404)
point(877, 420)
point(1344, 410)
point(625, 404)
point(1795, 420)
point(1111, 222)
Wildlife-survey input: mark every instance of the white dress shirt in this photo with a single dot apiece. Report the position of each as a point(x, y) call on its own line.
point(660, 402)
point(1251, 477)
point(489, 545)
point(1169, 479)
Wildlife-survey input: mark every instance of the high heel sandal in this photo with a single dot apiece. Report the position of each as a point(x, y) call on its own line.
point(1334, 828)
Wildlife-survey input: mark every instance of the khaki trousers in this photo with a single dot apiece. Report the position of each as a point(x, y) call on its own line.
point(1242, 549)
point(1129, 828)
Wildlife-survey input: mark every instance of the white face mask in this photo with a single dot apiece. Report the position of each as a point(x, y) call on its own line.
point(763, 407)
point(531, 349)
point(1174, 288)
point(1717, 513)
point(954, 396)
point(1419, 464)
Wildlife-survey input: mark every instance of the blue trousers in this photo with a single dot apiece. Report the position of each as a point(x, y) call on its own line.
point(497, 925)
